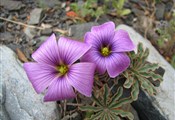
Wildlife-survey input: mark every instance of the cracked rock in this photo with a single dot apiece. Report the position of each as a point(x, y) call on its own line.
point(19, 100)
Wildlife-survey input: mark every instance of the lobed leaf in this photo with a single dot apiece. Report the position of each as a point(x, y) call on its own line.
point(97, 101)
point(141, 71)
point(146, 86)
point(116, 96)
point(156, 77)
point(106, 92)
point(90, 108)
point(125, 12)
point(96, 116)
point(129, 81)
point(124, 114)
point(148, 67)
point(135, 90)
point(121, 102)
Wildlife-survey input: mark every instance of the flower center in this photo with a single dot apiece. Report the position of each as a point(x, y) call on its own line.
point(105, 51)
point(62, 69)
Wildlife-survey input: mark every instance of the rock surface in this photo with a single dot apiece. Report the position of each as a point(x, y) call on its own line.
point(78, 31)
point(11, 4)
point(160, 11)
point(164, 100)
point(51, 3)
point(30, 32)
point(6, 36)
point(18, 98)
point(35, 16)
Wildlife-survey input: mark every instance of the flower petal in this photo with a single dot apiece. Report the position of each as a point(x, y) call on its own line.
point(47, 52)
point(40, 75)
point(104, 32)
point(60, 89)
point(94, 56)
point(122, 42)
point(116, 63)
point(81, 77)
point(93, 40)
point(70, 50)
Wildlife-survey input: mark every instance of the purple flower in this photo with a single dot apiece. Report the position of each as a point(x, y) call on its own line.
point(54, 69)
point(108, 47)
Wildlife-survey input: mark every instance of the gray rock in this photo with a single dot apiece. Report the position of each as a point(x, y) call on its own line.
point(160, 9)
point(137, 11)
point(30, 32)
point(78, 31)
point(164, 100)
point(40, 40)
point(51, 3)
point(46, 31)
point(11, 4)
point(20, 101)
point(35, 16)
point(103, 18)
point(6, 37)
point(168, 6)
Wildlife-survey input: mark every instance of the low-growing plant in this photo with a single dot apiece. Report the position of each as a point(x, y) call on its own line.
point(166, 39)
point(91, 8)
point(141, 74)
point(88, 8)
point(119, 6)
point(108, 106)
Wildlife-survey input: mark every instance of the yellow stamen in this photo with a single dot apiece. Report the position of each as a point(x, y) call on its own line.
point(62, 69)
point(105, 51)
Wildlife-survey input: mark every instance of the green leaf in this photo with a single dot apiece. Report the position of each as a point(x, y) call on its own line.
point(89, 114)
point(129, 81)
point(96, 116)
point(96, 100)
point(115, 4)
point(121, 102)
point(103, 116)
point(143, 72)
point(148, 67)
point(116, 96)
point(124, 114)
point(156, 77)
point(106, 92)
point(114, 116)
point(135, 90)
point(120, 4)
point(125, 12)
point(146, 86)
point(145, 55)
point(140, 48)
point(90, 108)
point(74, 7)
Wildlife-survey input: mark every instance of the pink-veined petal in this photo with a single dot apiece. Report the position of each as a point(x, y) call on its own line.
point(47, 52)
point(60, 89)
point(81, 77)
point(40, 75)
point(95, 57)
point(122, 42)
point(93, 40)
point(116, 63)
point(104, 32)
point(71, 50)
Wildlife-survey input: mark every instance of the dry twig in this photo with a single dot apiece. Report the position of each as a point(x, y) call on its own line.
point(34, 27)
